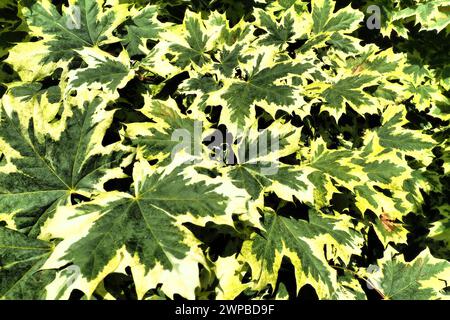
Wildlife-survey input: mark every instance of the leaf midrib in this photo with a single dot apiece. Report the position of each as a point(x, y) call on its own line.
point(35, 151)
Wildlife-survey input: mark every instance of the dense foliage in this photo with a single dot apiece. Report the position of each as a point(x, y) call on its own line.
point(346, 194)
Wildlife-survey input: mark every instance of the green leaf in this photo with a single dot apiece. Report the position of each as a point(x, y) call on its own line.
point(167, 130)
point(20, 260)
point(240, 96)
point(392, 136)
point(144, 25)
point(13, 29)
point(278, 34)
point(144, 231)
point(258, 168)
point(103, 71)
point(42, 171)
point(424, 278)
point(431, 15)
point(302, 242)
point(193, 43)
point(324, 20)
point(350, 90)
point(85, 23)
